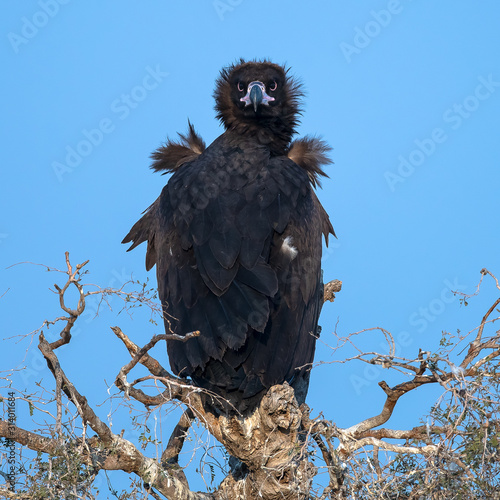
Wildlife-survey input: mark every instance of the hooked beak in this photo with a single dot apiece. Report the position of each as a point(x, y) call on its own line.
point(256, 94)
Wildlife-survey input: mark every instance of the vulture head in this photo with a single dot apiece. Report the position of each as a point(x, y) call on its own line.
point(260, 99)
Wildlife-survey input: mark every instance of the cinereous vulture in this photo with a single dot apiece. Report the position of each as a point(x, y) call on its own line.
point(236, 236)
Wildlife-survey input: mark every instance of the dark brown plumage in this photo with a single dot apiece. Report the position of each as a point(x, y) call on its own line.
point(236, 238)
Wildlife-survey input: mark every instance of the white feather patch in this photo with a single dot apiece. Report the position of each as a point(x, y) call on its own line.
point(288, 247)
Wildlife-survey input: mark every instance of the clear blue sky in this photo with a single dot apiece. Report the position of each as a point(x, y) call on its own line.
point(407, 93)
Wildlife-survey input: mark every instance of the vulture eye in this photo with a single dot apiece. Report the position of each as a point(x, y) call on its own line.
point(241, 87)
point(273, 85)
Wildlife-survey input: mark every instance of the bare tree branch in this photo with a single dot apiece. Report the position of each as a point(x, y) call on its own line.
point(272, 445)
